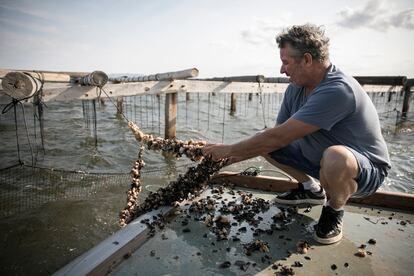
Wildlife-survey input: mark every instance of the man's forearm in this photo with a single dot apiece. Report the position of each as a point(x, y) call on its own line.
point(259, 144)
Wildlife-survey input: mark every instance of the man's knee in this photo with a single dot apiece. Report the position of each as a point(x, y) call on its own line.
point(338, 159)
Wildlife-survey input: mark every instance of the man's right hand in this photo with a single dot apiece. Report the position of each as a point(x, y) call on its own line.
point(217, 151)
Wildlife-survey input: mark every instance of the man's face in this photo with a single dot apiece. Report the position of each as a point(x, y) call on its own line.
point(292, 67)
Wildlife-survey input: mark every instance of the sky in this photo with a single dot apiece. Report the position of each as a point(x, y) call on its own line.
point(219, 37)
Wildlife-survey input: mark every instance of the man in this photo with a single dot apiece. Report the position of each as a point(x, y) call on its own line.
point(327, 128)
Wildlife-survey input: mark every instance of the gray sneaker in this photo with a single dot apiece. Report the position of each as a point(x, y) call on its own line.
point(302, 196)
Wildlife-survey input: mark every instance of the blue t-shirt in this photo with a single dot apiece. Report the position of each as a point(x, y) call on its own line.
point(344, 113)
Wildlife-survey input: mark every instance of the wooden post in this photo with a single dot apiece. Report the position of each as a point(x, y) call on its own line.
point(233, 104)
point(170, 115)
point(390, 96)
point(119, 105)
point(407, 97)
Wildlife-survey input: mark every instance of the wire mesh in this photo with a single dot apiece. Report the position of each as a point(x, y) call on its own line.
point(199, 116)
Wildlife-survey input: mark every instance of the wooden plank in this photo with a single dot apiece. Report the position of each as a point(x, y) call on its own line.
point(48, 76)
point(176, 75)
point(255, 78)
point(395, 200)
point(401, 201)
point(70, 92)
point(381, 80)
point(371, 88)
point(102, 258)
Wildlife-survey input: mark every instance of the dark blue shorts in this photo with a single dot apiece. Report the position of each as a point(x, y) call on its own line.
point(369, 178)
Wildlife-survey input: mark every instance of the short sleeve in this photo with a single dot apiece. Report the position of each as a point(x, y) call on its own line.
point(327, 106)
point(285, 108)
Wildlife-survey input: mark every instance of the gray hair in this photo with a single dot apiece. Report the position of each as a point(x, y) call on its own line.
point(306, 38)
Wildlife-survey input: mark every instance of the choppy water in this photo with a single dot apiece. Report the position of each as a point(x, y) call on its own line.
point(43, 239)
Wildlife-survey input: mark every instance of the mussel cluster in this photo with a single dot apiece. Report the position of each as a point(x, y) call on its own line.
point(256, 245)
point(189, 183)
point(134, 190)
point(190, 148)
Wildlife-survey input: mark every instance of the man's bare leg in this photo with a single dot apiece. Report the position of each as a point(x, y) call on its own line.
point(339, 168)
point(308, 193)
point(295, 173)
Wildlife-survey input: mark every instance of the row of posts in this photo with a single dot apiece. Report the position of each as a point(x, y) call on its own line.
point(171, 107)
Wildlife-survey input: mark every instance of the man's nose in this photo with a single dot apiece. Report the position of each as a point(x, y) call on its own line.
point(282, 69)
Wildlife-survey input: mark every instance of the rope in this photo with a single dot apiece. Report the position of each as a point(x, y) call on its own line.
point(159, 114)
point(95, 124)
point(208, 112)
point(27, 131)
point(198, 111)
point(224, 118)
point(13, 104)
point(261, 102)
point(152, 112)
point(38, 101)
point(116, 106)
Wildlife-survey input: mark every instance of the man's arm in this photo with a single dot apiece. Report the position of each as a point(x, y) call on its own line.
point(271, 139)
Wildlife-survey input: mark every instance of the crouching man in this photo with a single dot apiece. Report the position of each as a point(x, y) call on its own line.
point(327, 129)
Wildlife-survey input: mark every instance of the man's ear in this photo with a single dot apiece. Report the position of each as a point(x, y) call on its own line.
point(308, 59)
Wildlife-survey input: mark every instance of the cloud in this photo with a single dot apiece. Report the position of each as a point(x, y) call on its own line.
point(377, 15)
point(27, 11)
point(404, 19)
point(263, 32)
point(21, 19)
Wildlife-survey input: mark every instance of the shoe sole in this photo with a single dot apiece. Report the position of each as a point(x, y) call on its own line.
point(301, 201)
point(327, 240)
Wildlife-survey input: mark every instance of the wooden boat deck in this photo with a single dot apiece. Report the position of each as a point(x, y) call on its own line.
point(196, 251)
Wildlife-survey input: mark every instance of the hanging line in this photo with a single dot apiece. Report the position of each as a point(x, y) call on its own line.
point(262, 104)
point(208, 112)
point(152, 112)
point(159, 113)
point(198, 111)
point(116, 106)
point(186, 112)
point(95, 123)
point(245, 105)
point(135, 108)
point(224, 116)
point(38, 101)
point(13, 104)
